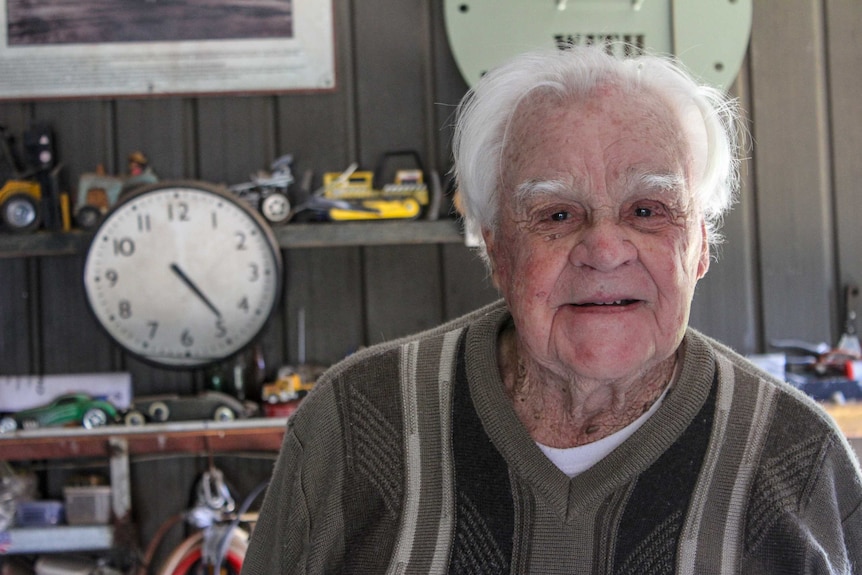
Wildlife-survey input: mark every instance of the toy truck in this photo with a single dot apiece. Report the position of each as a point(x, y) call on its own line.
point(288, 386)
point(22, 189)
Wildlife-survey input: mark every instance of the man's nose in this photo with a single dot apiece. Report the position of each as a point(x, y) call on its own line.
point(603, 244)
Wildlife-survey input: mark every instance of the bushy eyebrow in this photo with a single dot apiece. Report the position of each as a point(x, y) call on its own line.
point(655, 182)
point(534, 187)
point(660, 182)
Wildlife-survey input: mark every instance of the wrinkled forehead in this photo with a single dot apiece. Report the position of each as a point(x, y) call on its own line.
point(632, 113)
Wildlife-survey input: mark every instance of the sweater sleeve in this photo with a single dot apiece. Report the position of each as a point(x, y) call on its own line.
point(300, 528)
point(815, 530)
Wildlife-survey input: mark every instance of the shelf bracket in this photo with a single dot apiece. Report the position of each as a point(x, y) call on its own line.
point(121, 490)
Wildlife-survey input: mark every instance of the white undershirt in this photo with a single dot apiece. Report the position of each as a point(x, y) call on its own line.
point(575, 460)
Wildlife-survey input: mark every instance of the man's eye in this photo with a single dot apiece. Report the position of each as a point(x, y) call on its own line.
point(560, 216)
point(643, 212)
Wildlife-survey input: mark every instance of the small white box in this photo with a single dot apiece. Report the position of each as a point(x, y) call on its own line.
point(89, 505)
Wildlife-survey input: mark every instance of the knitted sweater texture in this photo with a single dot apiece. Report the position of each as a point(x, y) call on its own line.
point(408, 458)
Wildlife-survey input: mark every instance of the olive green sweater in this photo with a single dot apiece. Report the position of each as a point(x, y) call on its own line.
point(408, 458)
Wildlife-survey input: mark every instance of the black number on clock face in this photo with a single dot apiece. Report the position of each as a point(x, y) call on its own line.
point(154, 327)
point(112, 276)
point(125, 308)
point(143, 222)
point(186, 339)
point(240, 241)
point(124, 247)
point(180, 212)
point(220, 329)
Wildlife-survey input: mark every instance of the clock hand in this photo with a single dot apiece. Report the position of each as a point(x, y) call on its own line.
point(186, 280)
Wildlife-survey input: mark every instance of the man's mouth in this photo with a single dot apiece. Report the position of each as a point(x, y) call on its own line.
point(614, 303)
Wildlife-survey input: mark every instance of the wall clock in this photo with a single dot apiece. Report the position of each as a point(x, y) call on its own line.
point(709, 36)
point(183, 274)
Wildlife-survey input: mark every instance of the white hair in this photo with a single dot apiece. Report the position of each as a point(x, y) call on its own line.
point(709, 118)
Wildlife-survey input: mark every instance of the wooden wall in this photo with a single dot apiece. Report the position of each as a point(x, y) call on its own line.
point(792, 242)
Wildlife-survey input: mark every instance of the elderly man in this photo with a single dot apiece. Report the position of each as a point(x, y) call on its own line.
point(578, 425)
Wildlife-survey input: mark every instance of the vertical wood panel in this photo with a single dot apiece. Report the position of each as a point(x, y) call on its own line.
point(14, 116)
point(235, 137)
point(402, 284)
point(467, 284)
point(726, 304)
point(84, 133)
point(845, 65)
point(163, 129)
point(450, 87)
point(326, 284)
point(70, 339)
point(389, 81)
point(403, 291)
point(792, 170)
point(319, 129)
point(15, 312)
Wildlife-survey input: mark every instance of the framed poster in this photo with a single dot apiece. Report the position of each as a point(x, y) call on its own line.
point(115, 48)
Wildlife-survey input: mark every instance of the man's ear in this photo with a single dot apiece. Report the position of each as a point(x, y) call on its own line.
point(490, 246)
point(703, 262)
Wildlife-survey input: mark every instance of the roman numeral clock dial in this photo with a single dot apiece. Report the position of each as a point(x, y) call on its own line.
point(183, 274)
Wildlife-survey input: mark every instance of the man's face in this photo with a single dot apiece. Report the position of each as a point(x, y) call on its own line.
point(598, 247)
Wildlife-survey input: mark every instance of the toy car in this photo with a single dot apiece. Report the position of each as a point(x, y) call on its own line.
point(288, 385)
point(211, 405)
point(69, 409)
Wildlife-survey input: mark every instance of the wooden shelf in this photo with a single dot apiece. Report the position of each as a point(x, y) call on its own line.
point(311, 235)
point(116, 443)
point(256, 434)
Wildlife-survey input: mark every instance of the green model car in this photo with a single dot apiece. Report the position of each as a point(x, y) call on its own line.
point(69, 409)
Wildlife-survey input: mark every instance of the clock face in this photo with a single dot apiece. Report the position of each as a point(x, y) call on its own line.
point(182, 274)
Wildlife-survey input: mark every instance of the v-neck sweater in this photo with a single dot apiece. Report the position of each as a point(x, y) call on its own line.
point(408, 458)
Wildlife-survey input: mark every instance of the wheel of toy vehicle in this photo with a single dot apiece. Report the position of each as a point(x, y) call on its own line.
point(159, 411)
point(94, 417)
point(20, 213)
point(134, 417)
point(224, 413)
point(275, 208)
point(88, 217)
point(8, 424)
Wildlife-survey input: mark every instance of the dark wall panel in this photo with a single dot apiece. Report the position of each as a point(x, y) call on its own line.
point(726, 305)
point(844, 22)
point(71, 342)
point(324, 286)
point(792, 173)
point(396, 280)
point(16, 325)
point(161, 128)
point(235, 137)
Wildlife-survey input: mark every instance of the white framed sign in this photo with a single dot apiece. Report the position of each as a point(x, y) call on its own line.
point(106, 48)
